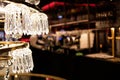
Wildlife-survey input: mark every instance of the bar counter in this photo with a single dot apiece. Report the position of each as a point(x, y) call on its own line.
point(72, 67)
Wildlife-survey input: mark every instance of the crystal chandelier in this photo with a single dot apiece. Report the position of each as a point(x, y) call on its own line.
point(19, 57)
point(22, 61)
point(21, 19)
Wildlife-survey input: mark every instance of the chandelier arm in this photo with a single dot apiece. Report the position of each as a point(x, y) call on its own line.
point(5, 58)
point(11, 48)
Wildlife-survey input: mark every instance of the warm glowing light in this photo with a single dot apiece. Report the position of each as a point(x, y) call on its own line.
point(119, 28)
point(112, 29)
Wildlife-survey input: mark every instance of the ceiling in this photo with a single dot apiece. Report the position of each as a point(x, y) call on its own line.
point(44, 2)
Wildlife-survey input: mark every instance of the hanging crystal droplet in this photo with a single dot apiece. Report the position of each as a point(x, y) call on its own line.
point(22, 60)
point(20, 19)
point(40, 23)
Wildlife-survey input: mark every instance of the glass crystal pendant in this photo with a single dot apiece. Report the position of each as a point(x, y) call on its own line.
point(18, 56)
point(21, 19)
point(22, 60)
point(39, 23)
